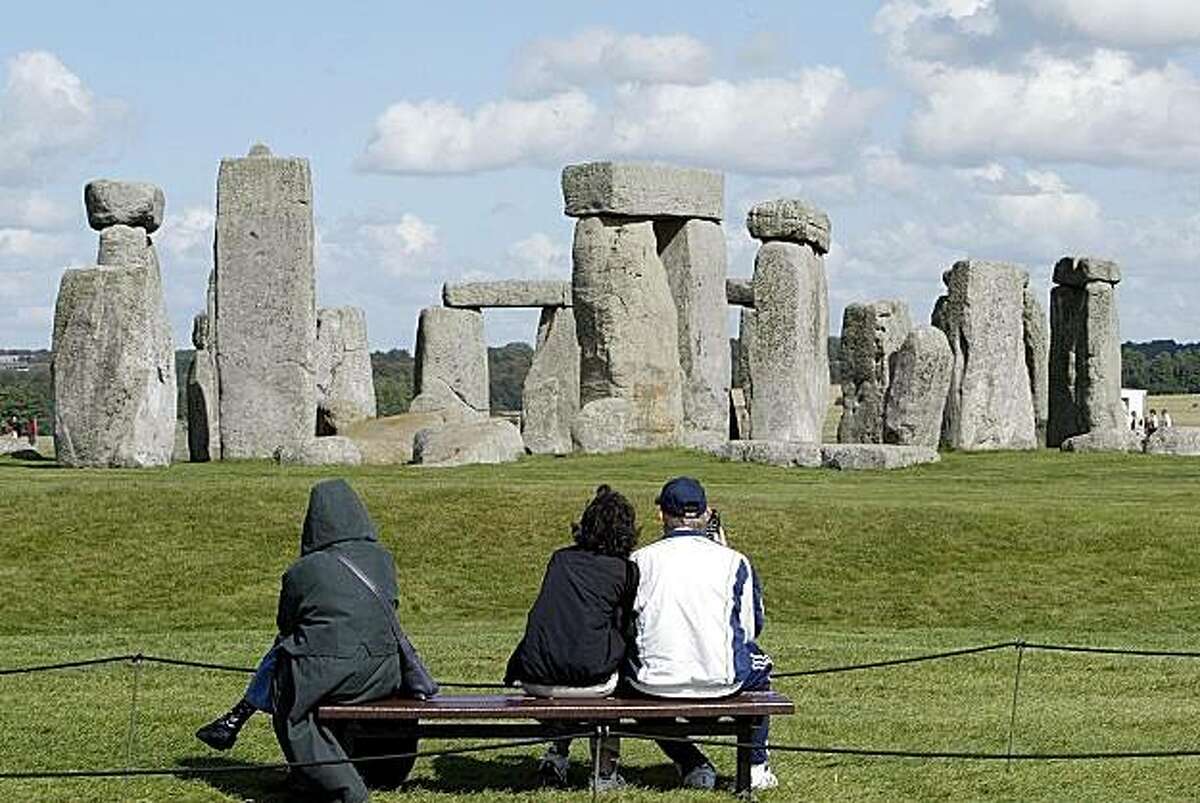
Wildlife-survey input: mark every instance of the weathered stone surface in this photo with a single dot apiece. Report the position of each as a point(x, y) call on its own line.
point(12, 445)
point(1037, 361)
point(451, 349)
point(511, 293)
point(114, 369)
point(203, 404)
point(126, 246)
point(989, 405)
point(785, 454)
point(1085, 358)
point(741, 366)
point(550, 396)
point(345, 387)
point(874, 456)
point(265, 299)
point(602, 426)
point(130, 203)
point(490, 441)
point(693, 253)
point(642, 190)
point(739, 415)
point(437, 397)
point(740, 292)
point(1183, 441)
point(1104, 440)
point(789, 360)
point(389, 441)
point(1079, 271)
point(627, 327)
point(330, 451)
point(916, 395)
point(792, 220)
point(871, 334)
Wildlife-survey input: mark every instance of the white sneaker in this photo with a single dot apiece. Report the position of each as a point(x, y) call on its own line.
point(609, 783)
point(701, 777)
point(761, 777)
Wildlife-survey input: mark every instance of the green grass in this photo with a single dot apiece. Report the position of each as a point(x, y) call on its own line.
point(979, 548)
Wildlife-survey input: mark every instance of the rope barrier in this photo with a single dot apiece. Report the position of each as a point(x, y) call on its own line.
point(895, 661)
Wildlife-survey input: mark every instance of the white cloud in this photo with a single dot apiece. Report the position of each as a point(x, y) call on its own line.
point(540, 257)
point(29, 244)
point(1126, 23)
point(31, 210)
point(440, 137)
point(46, 112)
point(362, 251)
point(599, 56)
point(187, 235)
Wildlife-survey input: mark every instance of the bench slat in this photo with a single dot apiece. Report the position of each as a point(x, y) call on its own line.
point(519, 706)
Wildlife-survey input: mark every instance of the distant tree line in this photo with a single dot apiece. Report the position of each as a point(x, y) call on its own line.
point(1161, 366)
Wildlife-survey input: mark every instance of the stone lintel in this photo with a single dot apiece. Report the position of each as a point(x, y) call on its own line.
point(510, 293)
point(1080, 271)
point(642, 190)
point(740, 292)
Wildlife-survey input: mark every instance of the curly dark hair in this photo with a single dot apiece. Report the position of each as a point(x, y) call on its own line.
point(608, 525)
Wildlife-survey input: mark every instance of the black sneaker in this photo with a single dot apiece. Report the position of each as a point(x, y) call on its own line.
point(220, 734)
point(552, 769)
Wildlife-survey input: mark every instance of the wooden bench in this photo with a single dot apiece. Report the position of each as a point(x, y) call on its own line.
point(515, 716)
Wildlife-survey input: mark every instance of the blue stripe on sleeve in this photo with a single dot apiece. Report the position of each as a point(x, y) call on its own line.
point(741, 655)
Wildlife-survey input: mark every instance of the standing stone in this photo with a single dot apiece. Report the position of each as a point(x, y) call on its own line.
point(916, 396)
point(789, 359)
point(739, 415)
point(550, 396)
point(871, 334)
point(741, 369)
point(265, 296)
point(990, 405)
point(451, 348)
point(1085, 350)
point(114, 364)
point(203, 411)
point(627, 328)
point(693, 253)
point(345, 387)
point(1037, 361)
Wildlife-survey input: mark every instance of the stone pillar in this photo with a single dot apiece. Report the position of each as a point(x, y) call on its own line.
point(789, 358)
point(550, 396)
point(916, 395)
point(204, 420)
point(648, 265)
point(871, 334)
point(451, 368)
point(741, 372)
point(345, 385)
point(989, 405)
point(1037, 360)
point(114, 362)
point(1085, 350)
point(266, 316)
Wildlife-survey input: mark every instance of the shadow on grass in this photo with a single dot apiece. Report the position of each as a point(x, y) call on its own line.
point(261, 785)
point(29, 458)
point(464, 774)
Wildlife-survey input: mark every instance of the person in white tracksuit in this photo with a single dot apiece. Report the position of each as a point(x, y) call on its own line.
point(697, 613)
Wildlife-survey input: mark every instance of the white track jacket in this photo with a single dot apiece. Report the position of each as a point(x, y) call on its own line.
point(697, 610)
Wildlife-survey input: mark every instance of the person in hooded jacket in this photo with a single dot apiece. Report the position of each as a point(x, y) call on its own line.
point(338, 642)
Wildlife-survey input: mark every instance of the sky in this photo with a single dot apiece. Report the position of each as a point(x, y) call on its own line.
point(929, 130)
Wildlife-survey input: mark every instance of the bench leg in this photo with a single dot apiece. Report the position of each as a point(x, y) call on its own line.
point(745, 727)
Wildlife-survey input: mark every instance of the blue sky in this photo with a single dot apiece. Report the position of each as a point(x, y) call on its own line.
point(930, 130)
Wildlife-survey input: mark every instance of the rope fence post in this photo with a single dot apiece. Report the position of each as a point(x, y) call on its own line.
point(131, 735)
point(1012, 717)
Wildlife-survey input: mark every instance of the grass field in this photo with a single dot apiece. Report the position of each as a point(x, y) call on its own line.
point(858, 567)
point(1185, 408)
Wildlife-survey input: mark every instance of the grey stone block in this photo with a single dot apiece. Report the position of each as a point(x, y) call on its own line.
point(602, 426)
point(1080, 271)
point(345, 385)
point(1182, 441)
point(871, 334)
point(1104, 440)
point(550, 396)
point(642, 190)
point(451, 348)
point(1037, 361)
point(490, 441)
point(437, 397)
point(511, 293)
point(740, 292)
point(130, 203)
point(330, 451)
point(792, 220)
point(874, 456)
point(741, 367)
point(739, 415)
point(203, 411)
point(785, 454)
point(916, 395)
point(126, 246)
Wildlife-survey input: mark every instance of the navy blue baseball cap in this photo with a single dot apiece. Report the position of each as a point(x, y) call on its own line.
point(682, 496)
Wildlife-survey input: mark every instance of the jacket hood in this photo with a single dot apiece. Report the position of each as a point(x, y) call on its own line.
point(335, 513)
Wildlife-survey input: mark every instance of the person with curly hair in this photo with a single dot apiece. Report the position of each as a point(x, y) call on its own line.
point(574, 642)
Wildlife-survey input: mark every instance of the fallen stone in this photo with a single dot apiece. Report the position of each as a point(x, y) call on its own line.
point(693, 253)
point(1104, 440)
point(331, 451)
point(1183, 441)
point(739, 292)
point(871, 334)
point(627, 328)
point(129, 203)
point(791, 220)
point(1037, 361)
point(265, 298)
point(126, 246)
point(785, 454)
point(389, 441)
point(550, 395)
point(345, 385)
point(11, 445)
point(490, 441)
point(511, 293)
point(602, 426)
point(451, 349)
point(789, 359)
point(916, 396)
point(989, 404)
point(642, 190)
point(874, 456)
point(1080, 271)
